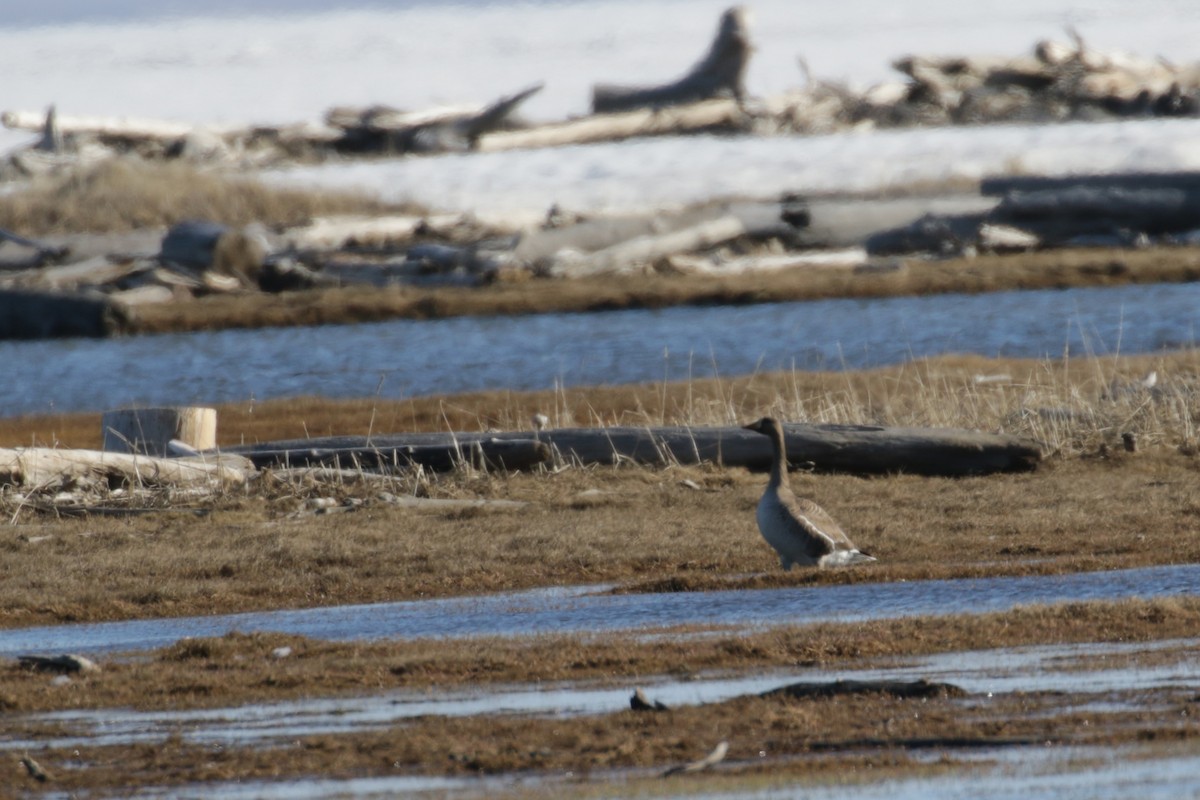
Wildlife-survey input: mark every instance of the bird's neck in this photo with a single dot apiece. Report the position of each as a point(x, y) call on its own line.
point(779, 469)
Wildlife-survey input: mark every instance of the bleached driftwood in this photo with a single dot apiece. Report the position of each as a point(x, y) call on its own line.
point(848, 222)
point(589, 238)
point(858, 449)
point(110, 127)
point(845, 258)
point(43, 467)
point(151, 431)
point(332, 233)
point(45, 252)
point(380, 129)
point(707, 115)
point(642, 250)
point(720, 72)
point(394, 119)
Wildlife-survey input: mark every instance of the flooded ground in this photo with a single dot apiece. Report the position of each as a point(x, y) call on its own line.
point(1090, 671)
point(593, 609)
point(1091, 678)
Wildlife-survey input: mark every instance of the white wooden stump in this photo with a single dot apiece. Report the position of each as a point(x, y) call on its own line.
point(148, 431)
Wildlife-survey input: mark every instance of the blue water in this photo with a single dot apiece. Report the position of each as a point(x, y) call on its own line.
point(407, 358)
point(575, 610)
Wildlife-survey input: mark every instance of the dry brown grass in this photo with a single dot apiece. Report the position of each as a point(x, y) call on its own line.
point(125, 194)
point(988, 273)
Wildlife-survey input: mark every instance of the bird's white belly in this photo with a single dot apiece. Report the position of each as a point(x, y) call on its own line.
point(772, 524)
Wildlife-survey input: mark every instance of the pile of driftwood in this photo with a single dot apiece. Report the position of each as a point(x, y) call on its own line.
point(95, 288)
point(1028, 213)
point(1056, 82)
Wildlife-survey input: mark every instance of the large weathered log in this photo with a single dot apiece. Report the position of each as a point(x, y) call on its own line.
point(40, 467)
point(150, 431)
point(1058, 214)
point(843, 259)
point(706, 115)
point(720, 72)
point(644, 250)
point(90, 272)
point(439, 453)
point(542, 247)
point(860, 449)
point(47, 315)
point(47, 253)
point(1004, 185)
point(109, 127)
point(843, 222)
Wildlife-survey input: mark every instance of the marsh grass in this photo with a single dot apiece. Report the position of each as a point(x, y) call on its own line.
point(121, 195)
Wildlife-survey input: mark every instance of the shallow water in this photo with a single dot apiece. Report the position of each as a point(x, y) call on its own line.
point(584, 610)
point(405, 358)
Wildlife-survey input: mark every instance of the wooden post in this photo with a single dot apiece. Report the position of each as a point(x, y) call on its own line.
point(148, 431)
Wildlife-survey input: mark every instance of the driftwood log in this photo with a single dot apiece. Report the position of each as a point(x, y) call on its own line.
point(720, 73)
point(385, 130)
point(45, 253)
point(48, 315)
point(860, 449)
point(434, 452)
point(615, 243)
point(43, 467)
point(715, 115)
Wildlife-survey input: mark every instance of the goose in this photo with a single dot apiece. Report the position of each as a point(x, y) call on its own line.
point(799, 530)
